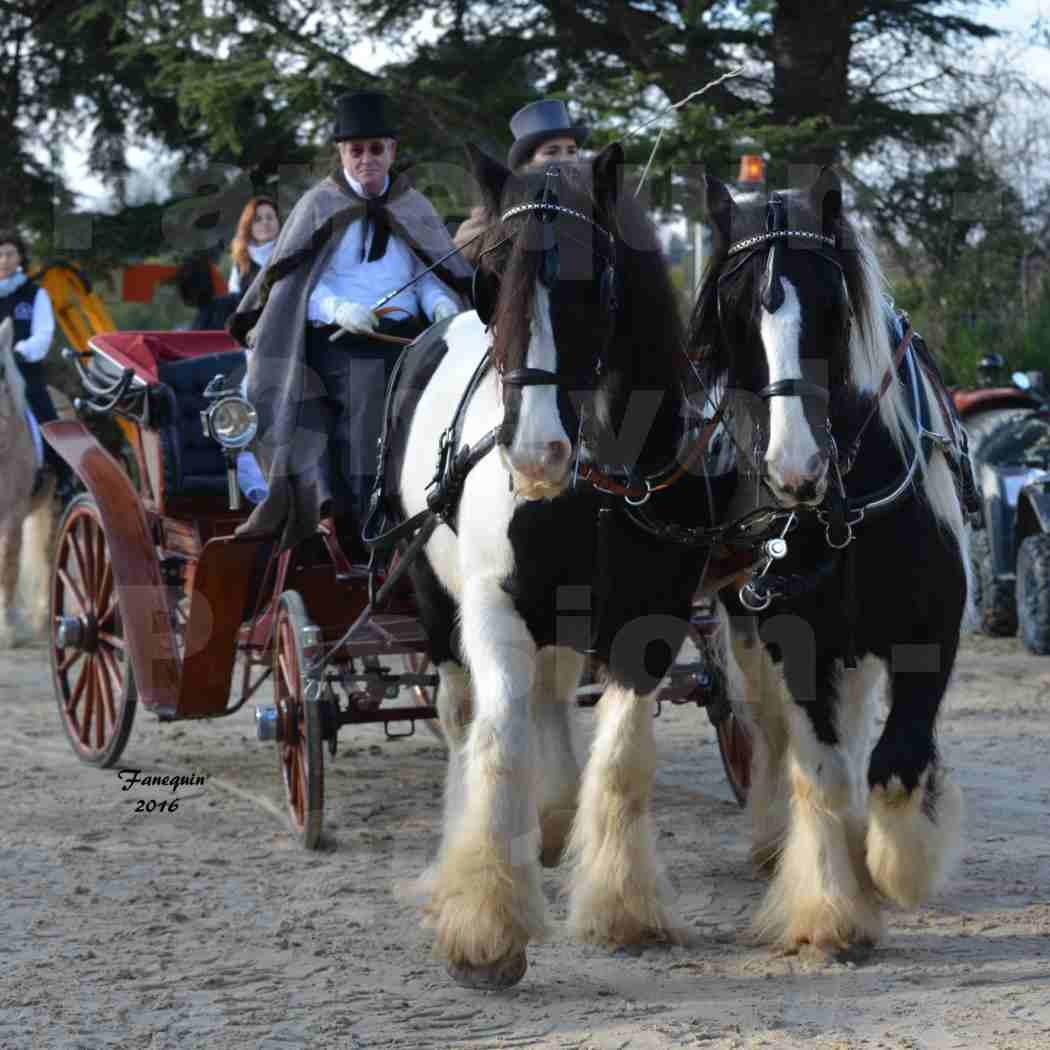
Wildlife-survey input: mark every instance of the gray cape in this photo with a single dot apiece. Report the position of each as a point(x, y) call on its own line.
point(274, 310)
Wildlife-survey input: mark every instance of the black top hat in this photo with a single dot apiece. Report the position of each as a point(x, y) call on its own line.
point(538, 121)
point(363, 115)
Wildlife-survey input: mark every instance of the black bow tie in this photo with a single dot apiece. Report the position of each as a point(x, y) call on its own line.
point(377, 218)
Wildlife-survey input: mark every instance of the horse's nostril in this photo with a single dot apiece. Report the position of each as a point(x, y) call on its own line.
point(557, 452)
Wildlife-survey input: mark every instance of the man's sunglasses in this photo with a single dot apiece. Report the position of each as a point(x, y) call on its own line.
point(358, 149)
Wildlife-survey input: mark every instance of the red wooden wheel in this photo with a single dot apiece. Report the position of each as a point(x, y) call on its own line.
point(734, 744)
point(90, 665)
point(299, 732)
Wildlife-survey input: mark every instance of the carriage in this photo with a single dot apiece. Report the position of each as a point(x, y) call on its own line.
point(154, 596)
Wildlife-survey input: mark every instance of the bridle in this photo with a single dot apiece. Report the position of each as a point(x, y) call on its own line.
point(775, 243)
point(546, 208)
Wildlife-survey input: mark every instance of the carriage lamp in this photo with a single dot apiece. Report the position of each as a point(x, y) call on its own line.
point(233, 422)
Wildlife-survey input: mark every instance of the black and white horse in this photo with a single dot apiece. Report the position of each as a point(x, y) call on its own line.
point(792, 320)
point(582, 323)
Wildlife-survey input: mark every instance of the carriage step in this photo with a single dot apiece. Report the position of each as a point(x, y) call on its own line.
point(266, 722)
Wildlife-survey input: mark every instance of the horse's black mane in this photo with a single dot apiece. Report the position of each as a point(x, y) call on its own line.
point(650, 333)
point(747, 218)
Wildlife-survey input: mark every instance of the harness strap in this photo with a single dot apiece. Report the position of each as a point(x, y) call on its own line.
point(541, 377)
point(891, 373)
point(663, 479)
point(445, 488)
point(794, 388)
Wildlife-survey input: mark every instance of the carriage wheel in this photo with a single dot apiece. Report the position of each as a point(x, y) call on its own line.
point(90, 664)
point(299, 735)
point(424, 695)
point(734, 745)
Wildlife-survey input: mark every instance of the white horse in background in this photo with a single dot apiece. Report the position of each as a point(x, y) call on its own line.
point(27, 518)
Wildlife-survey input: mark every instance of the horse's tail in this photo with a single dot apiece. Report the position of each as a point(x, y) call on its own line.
point(38, 537)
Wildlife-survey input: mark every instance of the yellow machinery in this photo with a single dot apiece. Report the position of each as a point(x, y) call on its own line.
point(79, 311)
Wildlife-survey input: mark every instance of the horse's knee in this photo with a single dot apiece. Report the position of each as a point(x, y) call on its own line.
point(453, 701)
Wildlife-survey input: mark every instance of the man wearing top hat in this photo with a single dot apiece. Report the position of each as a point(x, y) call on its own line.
point(316, 375)
point(543, 134)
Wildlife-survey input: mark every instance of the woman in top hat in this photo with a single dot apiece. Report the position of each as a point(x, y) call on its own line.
point(351, 240)
point(253, 244)
point(543, 134)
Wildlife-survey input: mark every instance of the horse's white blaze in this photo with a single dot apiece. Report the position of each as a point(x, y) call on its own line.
point(792, 450)
point(540, 452)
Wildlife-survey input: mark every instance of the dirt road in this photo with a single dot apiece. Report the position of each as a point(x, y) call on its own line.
point(210, 928)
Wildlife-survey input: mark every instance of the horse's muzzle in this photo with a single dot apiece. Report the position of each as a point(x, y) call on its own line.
point(540, 472)
point(802, 486)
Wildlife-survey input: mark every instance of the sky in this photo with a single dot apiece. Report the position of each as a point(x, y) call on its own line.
point(1015, 17)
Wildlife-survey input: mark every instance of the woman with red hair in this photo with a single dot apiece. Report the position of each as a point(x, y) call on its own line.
point(253, 243)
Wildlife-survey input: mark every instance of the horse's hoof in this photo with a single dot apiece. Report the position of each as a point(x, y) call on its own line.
point(495, 978)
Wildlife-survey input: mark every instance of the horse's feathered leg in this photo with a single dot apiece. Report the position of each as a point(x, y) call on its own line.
point(553, 694)
point(487, 901)
point(764, 702)
point(821, 893)
point(619, 894)
point(13, 628)
point(916, 809)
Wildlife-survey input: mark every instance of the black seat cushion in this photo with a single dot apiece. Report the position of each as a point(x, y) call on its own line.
point(194, 465)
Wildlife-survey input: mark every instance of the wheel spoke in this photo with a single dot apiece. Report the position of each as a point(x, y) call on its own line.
point(282, 679)
point(101, 562)
point(103, 599)
point(78, 556)
point(100, 705)
point(78, 689)
point(69, 659)
point(90, 557)
point(109, 613)
point(292, 770)
point(105, 687)
point(74, 590)
point(114, 641)
point(89, 703)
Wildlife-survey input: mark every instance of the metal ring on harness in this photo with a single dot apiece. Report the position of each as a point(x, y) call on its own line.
point(750, 600)
point(641, 501)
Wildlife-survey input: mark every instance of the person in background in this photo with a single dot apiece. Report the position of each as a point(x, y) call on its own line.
point(29, 308)
point(193, 278)
point(543, 134)
point(253, 244)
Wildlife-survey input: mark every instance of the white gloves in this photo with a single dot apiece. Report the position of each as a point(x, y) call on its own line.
point(444, 309)
point(354, 317)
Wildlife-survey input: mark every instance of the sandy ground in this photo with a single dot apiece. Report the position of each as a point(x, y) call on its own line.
point(211, 928)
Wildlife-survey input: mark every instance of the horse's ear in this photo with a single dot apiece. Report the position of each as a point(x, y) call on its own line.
point(607, 174)
point(491, 176)
point(826, 197)
point(719, 206)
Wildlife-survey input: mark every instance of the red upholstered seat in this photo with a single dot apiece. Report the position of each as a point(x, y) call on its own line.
point(144, 351)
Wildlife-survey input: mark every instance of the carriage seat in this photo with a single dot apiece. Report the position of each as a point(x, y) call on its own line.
point(194, 465)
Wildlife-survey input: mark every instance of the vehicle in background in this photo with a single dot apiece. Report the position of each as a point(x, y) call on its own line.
point(1011, 554)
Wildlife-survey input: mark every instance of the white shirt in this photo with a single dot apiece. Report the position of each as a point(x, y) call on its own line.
point(348, 278)
point(42, 326)
point(259, 254)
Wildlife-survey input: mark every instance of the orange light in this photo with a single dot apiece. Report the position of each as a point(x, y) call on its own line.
point(752, 170)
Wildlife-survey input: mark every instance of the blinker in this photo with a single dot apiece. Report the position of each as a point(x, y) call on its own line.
point(772, 297)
